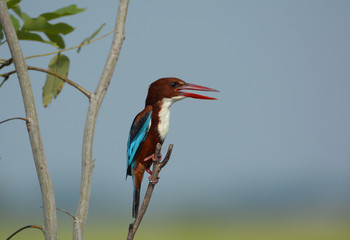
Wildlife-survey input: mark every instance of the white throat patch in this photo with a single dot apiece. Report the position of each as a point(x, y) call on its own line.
point(164, 115)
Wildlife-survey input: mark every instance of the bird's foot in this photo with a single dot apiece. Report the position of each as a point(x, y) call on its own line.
point(149, 178)
point(153, 182)
point(149, 171)
point(149, 158)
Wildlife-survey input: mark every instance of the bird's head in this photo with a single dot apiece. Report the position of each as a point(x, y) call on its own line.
point(172, 88)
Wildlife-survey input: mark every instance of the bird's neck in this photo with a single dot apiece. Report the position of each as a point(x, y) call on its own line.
point(161, 112)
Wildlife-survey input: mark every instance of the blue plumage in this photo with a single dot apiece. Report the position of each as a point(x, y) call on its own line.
point(138, 133)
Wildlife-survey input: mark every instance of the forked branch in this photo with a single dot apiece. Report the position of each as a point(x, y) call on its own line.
point(157, 167)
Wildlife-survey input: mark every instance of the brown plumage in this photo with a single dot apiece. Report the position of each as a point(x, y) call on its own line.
point(161, 95)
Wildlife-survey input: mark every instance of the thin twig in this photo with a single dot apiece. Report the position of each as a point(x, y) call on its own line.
point(6, 76)
point(6, 63)
point(29, 226)
point(71, 48)
point(66, 212)
point(157, 167)
point(70, 82)
point(14, 118)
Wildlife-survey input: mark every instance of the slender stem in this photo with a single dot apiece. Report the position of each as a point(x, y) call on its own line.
point(15, 118)
point(71, 48)
point(94, 106)
point(66, 212)
point(7, 62)
point(157, 166)
point(70, 82)
point(21, 229)
point(47, 193)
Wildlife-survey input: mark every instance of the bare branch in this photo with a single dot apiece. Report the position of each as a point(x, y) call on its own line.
point(167, 156)
point(90, 124)
point(47, 193)
point(15, 118)
point(66, 212)
point(29, 226)
point(157, 166)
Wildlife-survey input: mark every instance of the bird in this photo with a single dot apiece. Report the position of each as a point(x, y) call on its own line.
point(151, 126)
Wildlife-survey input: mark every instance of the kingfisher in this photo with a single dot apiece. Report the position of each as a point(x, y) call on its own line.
point(151, 126)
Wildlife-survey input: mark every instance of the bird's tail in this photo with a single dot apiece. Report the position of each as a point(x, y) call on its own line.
point(136, 203)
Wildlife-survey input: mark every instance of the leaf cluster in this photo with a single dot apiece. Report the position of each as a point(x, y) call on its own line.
point(29, 28)
point(35, 29)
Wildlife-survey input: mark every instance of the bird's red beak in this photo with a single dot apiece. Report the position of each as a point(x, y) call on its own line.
point(190, 86)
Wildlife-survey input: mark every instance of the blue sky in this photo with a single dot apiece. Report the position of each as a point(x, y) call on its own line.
point(279, 132)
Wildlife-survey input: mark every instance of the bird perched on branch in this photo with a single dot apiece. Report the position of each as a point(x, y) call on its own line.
point(151, 126)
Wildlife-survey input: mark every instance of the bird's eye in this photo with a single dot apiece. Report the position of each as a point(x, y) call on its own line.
point(173, 84)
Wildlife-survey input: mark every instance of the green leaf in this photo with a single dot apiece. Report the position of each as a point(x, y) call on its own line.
point(23, 35)
point(53, 85)
point(50, 15)
point(65, 11)
point(40, 24)
point(20, 14)
point(12, 3)
point(56, 38)
point(70, 10)
point(15, 22)
point(91, 37)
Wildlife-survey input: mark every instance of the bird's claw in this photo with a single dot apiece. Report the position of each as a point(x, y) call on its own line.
point(149, 171)
point(151, 181)
point(150, 176)
point(149, 158)
point(153, 157)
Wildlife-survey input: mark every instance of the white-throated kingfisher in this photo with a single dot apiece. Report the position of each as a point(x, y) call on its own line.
point(151, 126)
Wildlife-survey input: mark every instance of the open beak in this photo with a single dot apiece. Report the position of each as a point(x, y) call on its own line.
point(189, 86)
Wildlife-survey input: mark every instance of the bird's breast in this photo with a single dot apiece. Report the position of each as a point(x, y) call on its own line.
point(164, 118)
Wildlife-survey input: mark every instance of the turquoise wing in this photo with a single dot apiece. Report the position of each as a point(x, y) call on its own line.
point(138, 133)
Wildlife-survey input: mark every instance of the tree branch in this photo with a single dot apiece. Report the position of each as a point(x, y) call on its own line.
point(66, 212)
point(157, 166)
point(94, 106)
point(15, 118)
point(70, 82)
point(29, 226)
point(47, 193)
